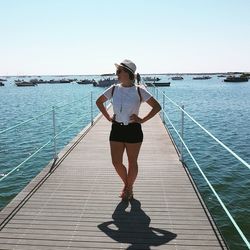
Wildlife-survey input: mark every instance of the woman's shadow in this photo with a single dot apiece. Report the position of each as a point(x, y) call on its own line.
point(132, 227)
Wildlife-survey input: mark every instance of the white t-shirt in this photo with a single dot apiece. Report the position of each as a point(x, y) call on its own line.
point(126, 101)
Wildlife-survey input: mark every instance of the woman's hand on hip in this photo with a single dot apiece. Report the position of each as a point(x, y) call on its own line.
point(135, 118)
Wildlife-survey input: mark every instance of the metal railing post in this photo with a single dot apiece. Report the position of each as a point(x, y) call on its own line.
point(182, 132)
point(54, 133)
point(163, 107)
point(91, 107)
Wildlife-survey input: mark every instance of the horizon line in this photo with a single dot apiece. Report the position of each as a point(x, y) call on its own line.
point(176, 73)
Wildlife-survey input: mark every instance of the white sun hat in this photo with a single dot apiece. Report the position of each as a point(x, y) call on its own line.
point(128, 64)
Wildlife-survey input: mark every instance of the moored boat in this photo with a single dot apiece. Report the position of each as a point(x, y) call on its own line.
point(86, 81)
point(105, 82)
point(158, 84)
point(1, 84)
point(149, 78)
point(52, 81)
point(109, 74)
point(177, 78)
point(222, 75)
point(236, 79)
point(24, 83)
point(202, 77)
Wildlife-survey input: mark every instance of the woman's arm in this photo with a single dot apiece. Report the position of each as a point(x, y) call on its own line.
point(156, 107)
point(102, 108)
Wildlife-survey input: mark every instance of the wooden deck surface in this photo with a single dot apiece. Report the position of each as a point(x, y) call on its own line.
point(77, 205)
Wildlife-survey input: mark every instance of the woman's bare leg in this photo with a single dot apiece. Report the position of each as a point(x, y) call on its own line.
point(117, 150)
point(132, 150)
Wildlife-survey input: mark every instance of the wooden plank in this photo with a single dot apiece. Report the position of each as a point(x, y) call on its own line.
point(77, 206)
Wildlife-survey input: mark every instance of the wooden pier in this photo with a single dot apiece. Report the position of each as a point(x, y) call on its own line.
point(76, 206)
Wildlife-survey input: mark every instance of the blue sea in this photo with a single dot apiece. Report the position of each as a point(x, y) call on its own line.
point(222, 108)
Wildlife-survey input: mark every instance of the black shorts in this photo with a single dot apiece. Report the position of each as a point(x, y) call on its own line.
point(131, 133)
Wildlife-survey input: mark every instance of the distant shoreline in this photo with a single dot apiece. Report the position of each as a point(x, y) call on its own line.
point(59, 75)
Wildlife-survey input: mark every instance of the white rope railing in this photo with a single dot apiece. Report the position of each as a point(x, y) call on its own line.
point(55, 135)
point(210, 134)
point(57, 106)
point(22, 163)
point(210, 185)
point(197, 165)
point(24, 122)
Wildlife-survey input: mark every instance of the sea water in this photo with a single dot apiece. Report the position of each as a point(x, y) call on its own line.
point(222, 108)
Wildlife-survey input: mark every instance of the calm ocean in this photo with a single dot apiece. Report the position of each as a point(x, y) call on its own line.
point(222, 108)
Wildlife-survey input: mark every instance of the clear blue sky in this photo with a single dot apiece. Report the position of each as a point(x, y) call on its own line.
point(89, 36)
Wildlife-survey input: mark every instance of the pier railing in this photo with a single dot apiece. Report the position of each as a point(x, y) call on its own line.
point(178, 134)
point(31, 141)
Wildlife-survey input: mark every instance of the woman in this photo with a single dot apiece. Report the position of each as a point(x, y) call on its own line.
point(126, 132)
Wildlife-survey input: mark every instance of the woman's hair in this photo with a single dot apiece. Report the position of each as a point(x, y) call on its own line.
point(131, 75)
